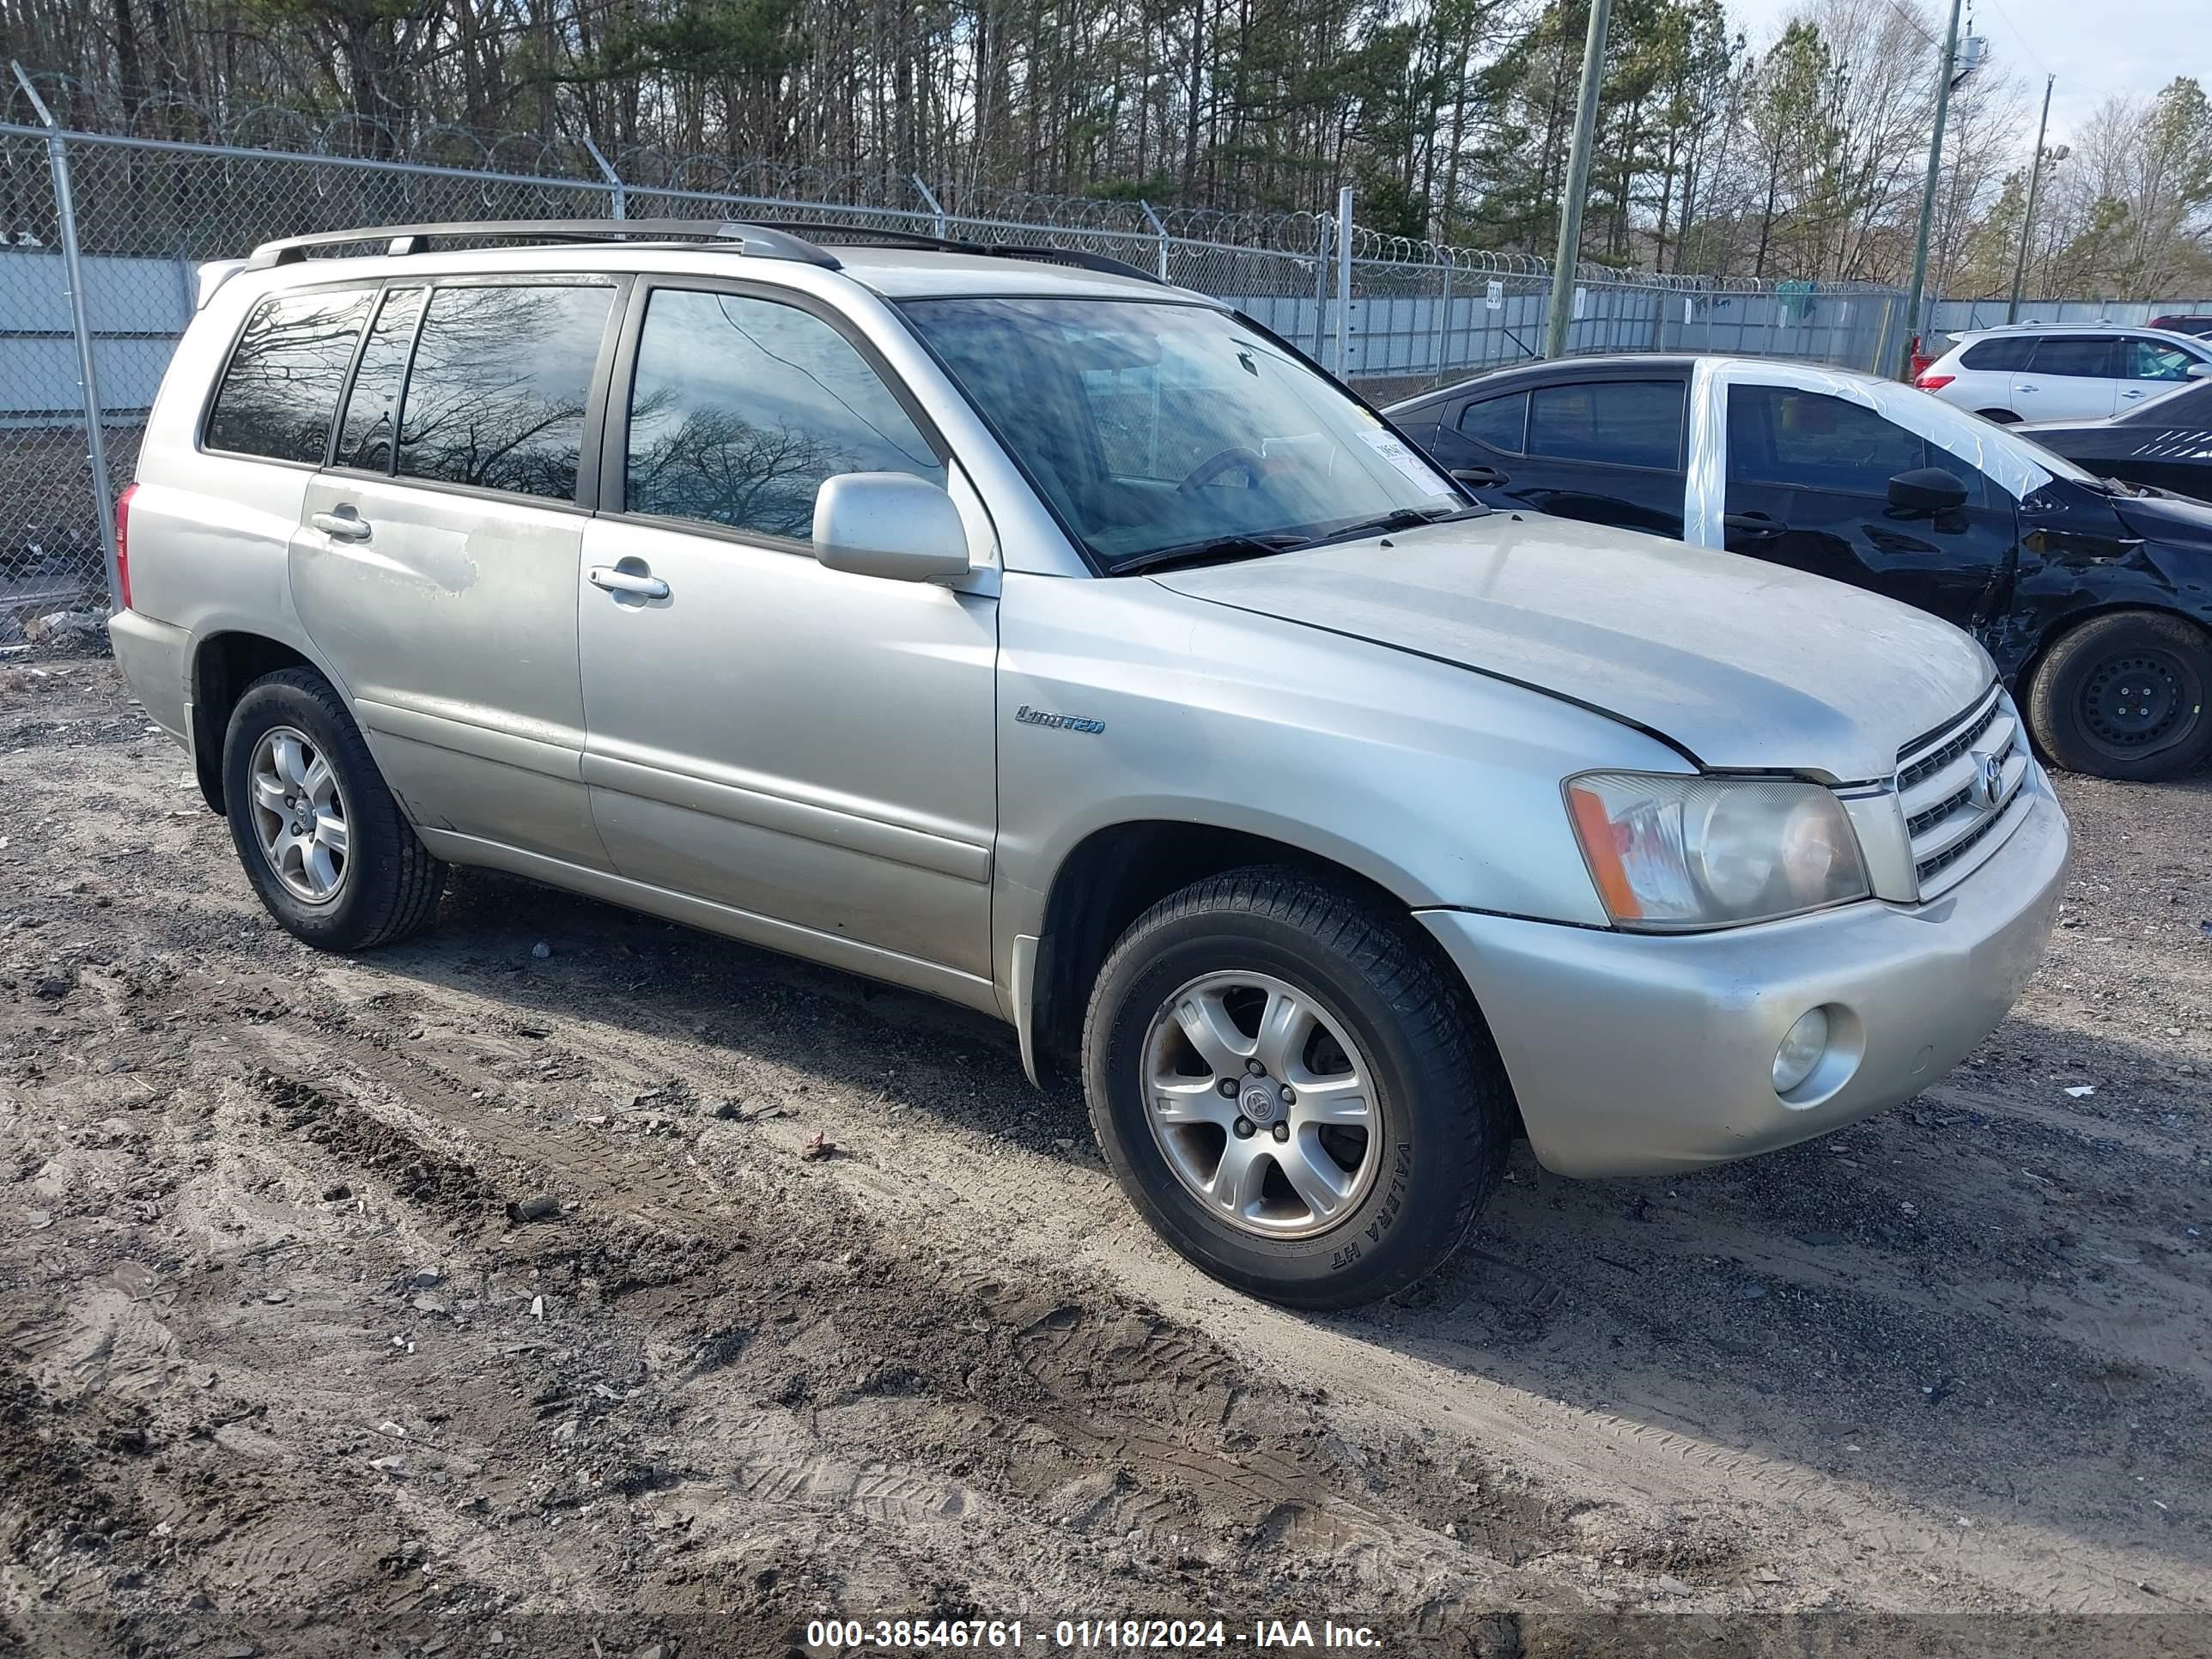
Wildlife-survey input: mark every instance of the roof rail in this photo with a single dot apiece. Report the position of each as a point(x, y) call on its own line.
point(867, 236)
point(761, 241)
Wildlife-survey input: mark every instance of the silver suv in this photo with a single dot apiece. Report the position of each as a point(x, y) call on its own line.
point(1007, 625)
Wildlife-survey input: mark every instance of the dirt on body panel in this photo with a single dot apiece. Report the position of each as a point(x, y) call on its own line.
point(278, 1367)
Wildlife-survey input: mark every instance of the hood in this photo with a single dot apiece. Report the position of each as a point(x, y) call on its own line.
point(1744, 664)
point(2165, 517)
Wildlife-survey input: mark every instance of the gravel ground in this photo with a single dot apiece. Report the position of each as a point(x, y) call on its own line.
point(279, 1374)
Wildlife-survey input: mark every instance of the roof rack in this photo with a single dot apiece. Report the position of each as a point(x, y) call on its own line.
point(776, 239)
point(761, 241)
point(868, 236)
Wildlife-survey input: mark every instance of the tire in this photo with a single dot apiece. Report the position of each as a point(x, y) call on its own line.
point(2002, 417)
point(382, 883)
point(1388, 1019)
point(2160, 728)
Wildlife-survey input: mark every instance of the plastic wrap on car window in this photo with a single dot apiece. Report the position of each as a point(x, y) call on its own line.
point(2007, 460)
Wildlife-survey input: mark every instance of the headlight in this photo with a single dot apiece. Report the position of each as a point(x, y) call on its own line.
point(1674, 853)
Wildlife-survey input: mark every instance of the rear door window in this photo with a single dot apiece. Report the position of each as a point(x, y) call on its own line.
point(1612, 422)
point(501, 377)
point(280, 386)
point(2090, 357)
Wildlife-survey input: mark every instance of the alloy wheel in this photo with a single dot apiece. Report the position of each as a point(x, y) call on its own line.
point(1262, 1104)
point(299, 814)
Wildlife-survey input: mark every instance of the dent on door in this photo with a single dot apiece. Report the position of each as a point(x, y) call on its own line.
point(453, 621)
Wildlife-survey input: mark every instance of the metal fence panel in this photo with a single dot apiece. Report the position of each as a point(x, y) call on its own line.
point(1957, 316)
point(149, 212)
point(51, 553)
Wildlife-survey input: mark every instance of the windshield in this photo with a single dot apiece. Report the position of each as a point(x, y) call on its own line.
point(1150, 426)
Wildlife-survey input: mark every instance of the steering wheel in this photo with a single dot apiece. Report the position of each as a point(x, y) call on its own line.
point(1225, 460)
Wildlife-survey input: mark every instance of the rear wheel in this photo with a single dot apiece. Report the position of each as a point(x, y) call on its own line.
point(320, 837)
point(2122, 696)
point(1292, 1089)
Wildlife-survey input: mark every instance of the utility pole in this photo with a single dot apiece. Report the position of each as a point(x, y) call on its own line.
point(1579, 162)
point(2027, 219)
point(1928, 195)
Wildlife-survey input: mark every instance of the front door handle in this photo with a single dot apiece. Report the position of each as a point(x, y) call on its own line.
point(341, 526)
point(2026, 388)
point(1752, 524)
point(1480, 477)
point(627, 581)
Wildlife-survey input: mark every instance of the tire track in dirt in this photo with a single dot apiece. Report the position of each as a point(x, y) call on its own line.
point(1067, 1357)
point(945, 1367)
point(1689, 1469)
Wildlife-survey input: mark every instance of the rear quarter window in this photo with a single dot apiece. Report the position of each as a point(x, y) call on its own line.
point(280, 390)
point(1499, 423)
point(2009, 352)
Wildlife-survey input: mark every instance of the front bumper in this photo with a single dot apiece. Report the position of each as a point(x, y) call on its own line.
point(1633, 1054)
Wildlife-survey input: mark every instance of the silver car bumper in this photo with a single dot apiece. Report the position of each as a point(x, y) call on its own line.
point(1635, 1055)
point(152, 655)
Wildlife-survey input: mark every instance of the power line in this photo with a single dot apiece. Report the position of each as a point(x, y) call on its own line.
point(1913, 23)
point(2021, 39)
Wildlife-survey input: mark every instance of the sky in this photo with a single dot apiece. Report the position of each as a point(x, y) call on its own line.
point(2095, 47)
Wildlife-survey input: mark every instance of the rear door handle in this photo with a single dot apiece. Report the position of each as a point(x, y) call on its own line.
point(340, 526)
point(624, 582)
point(1480, 477)
point(1753, 523)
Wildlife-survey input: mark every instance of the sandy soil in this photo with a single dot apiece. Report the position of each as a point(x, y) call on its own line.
point(278, 1373)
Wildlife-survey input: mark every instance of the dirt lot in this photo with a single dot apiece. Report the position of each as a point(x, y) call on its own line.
point(278, 1374)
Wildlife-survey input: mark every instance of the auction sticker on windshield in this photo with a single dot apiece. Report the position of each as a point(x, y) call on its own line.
point(1393, 449)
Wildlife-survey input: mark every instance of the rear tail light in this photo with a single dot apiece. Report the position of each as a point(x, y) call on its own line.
point(1921, 360)
point(1934, 382)
point(123, 547)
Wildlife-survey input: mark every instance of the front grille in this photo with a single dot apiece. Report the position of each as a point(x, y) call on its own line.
point(1928, 762)
point(1935, 815)
point(1957, 788)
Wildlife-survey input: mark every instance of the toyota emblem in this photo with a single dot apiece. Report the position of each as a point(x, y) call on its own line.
point(1989, 781)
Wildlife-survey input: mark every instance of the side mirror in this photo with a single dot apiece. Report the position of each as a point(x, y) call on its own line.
point(1926, 490)
point(2200, 371)
point(891, 525)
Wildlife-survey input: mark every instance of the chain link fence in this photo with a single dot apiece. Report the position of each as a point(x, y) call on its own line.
point(114, 285)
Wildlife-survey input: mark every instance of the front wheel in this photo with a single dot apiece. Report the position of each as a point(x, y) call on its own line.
point(321, 838)
point(2122, 696)
point(1292, 1089)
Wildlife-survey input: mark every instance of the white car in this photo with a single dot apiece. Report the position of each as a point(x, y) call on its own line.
point(2062, 372)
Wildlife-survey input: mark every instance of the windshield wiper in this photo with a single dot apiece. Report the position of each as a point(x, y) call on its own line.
point(1214, 550)
point(1405, 518)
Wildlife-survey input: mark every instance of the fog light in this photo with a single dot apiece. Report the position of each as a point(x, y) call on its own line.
point(1801, 1051)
